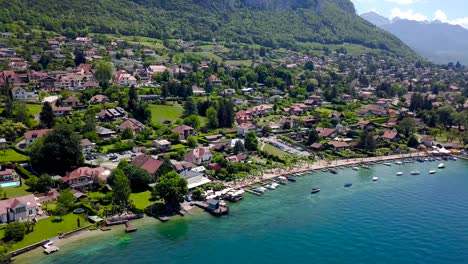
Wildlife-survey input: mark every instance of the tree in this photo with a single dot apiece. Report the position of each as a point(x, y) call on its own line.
point(89, 121)
point(238, 147)
point(79, 57)
point(367, 141)
point(57, 152)
point(192, 141)
point(40, 184)
point(21, 113)
point(66, 200)
point(193, 121)
point(127, 133)
point(120, 191)
point(139, 178)
point(313, 137)
point(103, 73)
point(165, 167)
point(47, 116)
point(171, 188)
point(15, 231)
point(413, 142)
point(212, 116)
point(190, 108)
point(407, 126)
point(251, 141)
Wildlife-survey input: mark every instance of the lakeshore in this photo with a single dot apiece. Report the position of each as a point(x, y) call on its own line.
point(306, 226)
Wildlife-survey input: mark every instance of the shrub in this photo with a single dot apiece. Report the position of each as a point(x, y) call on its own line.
point(15, 231)
point(25, 174)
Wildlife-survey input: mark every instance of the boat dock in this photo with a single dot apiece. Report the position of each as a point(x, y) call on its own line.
point(214, 207)
point(51, 249)
point(129, 228)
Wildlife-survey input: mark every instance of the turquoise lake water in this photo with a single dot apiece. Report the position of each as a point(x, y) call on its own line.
point(398, 219)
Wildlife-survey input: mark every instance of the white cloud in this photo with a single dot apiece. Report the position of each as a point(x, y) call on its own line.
point(408, 14)
point(403, 2)
point(441, 16)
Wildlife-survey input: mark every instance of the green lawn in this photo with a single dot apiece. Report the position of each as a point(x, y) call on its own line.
point(141, 200)
point(159, 113)
point(274, 150)
point(239, 62)
point(34, 109)
point(47, 229)
point(13, 192)
point(11, 155)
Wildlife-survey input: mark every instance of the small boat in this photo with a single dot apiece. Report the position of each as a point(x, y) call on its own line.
point(348, 184)
point(291, 179)
point(260, 189)
point(415, 172)
point(453, 158)
point(375, 178)
point(355, 168)
point(445, 158)
point(270, 186)
point(316, 189)
point(432, 171)
point(399, 173)
point(441, 166)
point(333, 171)
point(282, 180)
point(387, 164)
point(51, 249)
point(365, 167)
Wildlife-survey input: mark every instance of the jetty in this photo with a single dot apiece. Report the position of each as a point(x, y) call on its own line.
point(129, 228)
point(51, 249)
point(214, 207)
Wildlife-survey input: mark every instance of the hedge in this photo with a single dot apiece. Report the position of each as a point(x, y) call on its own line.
point(25, 174)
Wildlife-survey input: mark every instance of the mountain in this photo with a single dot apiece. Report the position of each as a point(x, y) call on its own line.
point(375, 18)
point(271, 23)
point(437, 41)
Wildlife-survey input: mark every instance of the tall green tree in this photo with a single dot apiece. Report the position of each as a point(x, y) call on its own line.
point(251, 141)
point(47, 116)
point(212, 116)
point(79, 57)
point(171, 188)
point(15, 231)
point(21, 113)
point(120, 192)
point(139, 178)
point(103, 73)
point(58, 152)
point(407, 126)
point(313, 137)
point(190, 108)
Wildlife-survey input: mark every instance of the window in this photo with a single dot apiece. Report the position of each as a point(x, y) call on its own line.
point(30, 212)
point(20, 210)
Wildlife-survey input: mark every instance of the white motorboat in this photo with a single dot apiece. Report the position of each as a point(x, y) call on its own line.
point(270, 186)
point(387, 164)
point(432, 171)
point(399, 173)
point(355, 168)
point(398, 163)
point(415, 172)
point(260, 189)
point(441, 166)
point(375, 178)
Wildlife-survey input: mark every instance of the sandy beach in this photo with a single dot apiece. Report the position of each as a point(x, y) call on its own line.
point(318, 165)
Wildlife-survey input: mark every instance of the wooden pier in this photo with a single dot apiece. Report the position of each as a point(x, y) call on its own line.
point(129, 228)
point(216, 211)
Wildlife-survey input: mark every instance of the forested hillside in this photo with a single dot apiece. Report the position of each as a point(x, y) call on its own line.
point(271, 23)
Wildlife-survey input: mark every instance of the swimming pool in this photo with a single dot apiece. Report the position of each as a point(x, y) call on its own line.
point(9, 184)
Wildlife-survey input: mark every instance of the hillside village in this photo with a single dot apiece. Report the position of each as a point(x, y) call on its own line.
point(80, 114)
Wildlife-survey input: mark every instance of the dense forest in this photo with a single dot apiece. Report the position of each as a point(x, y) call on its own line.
point(270, 23)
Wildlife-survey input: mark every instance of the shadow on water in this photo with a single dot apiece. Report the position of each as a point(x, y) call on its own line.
point(175, 229)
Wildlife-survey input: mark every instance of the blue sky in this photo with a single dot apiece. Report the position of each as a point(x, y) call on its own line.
point(449, 11)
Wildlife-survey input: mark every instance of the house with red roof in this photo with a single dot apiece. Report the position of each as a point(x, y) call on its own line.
point(184, 131)
point(18, 209)
point(62, 111)
point(8, 175)
point(148, 163)
point(134, 125)
point(31, 135)
point(198, 156)
point(390, 135)
point(99, 99)
point(326, 132)
point(124, 79)
point(85, 176)
point(338, 145)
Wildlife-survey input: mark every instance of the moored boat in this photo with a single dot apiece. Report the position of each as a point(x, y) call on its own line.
point(441, 166)
point(260, 190)
point(375, 178)
point(415, 172)
point(291, 179)
point(333, 171)
point(387, 164)
point(355, 168)
point(399, 173)
point(316, 189)
point(432, 171)
point(348, 184)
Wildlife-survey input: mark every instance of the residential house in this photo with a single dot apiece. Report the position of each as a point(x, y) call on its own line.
point(105, 133)
point(227, 92)
point(184, 131)
point(18, 209)
point(112, 114)
point(147, 163)
point(198, 156)
point(85, 176)
point(8, 175)
point(162, 144)
point(99, 99)
point(372, 110)
point(62, 111)
point(390, 136)
point(24, 95)
point(317, 147)
point(71, 101)
point(194, 178)
point(213, 80)
point(32, 135)
point(326, 132)
point(244, 128)
point(154, 69)
point(133, 124)
point(124, 79)
point(86, 145)
point(237, 158)
point(180, 166)
point(338, 145)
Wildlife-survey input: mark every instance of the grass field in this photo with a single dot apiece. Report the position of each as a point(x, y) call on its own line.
point(272, 150)
point(238, 62)
point(11, 155)
point(13, 192)
point(34, 109)
point(141, 200)
point(47, 229)
point(159, 113)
